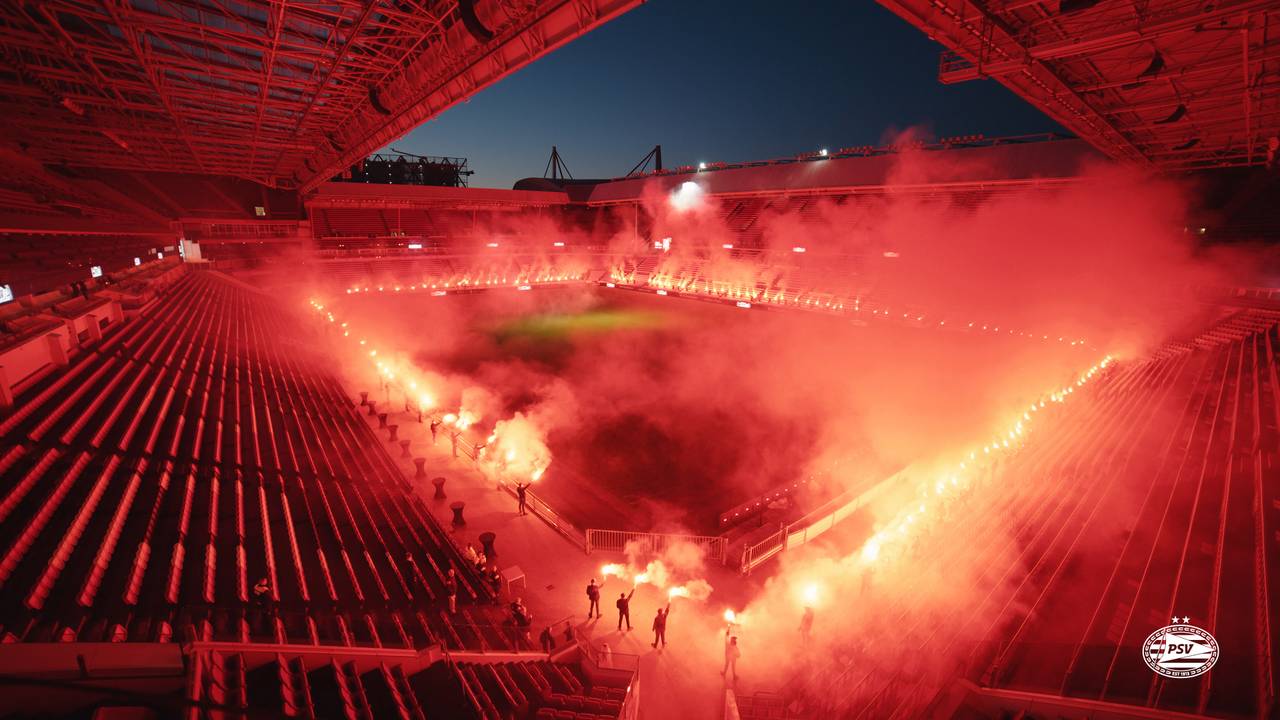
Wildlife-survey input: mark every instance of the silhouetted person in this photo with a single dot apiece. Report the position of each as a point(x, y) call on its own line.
point(548, 640)
point(522, 618)
point(624, 608)
point(451, 589)
point(660, 626)
point(435, 426)
point(520, 495)
point(806, 625)
point(731, 655)
point(593, 593)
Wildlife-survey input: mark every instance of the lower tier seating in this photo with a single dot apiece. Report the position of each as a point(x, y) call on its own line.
point(195, 454)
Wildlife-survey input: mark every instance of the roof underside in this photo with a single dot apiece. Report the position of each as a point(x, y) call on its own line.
point(1178, 84)
point(282, 93)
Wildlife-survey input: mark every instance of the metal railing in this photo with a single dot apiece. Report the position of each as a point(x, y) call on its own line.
point(533, 503)
point(813, 524)
point(617, 540)
point(567, 530)
point(758, 504)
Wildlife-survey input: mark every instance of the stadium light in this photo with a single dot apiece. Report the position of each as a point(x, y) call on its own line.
point(687, 197)
point(702, 166)
point(797, 249)
point(822, 152)
point(414, 246)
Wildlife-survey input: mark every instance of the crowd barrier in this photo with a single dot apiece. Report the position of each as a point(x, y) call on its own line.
point(617, 540)
point(815, 522)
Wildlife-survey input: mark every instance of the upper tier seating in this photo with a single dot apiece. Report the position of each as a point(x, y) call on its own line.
point(36, 264)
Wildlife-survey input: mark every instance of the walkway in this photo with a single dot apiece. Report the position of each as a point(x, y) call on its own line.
point(677, 683)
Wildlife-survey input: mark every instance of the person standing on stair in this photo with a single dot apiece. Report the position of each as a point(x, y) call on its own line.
point(451, 589)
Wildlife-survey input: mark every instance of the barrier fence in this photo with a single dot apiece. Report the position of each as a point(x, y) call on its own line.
point(617, 540)
point(814, 523)
point(533, 503)
point(592, 538)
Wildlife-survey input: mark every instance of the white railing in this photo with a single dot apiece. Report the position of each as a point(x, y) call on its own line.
point(617, 540)
point(815, 523)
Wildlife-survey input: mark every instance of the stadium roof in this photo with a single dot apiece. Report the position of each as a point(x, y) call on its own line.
point(286, 94)
point(1178, 84)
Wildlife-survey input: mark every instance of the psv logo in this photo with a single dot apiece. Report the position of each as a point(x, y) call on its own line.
point(1180, 650)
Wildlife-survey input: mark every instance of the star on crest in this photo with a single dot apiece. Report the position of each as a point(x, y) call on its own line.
point(1185, 619)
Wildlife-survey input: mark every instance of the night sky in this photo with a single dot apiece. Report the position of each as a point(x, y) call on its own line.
point(718, 80)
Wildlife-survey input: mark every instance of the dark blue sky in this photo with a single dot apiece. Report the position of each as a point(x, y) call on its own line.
point(718, 80)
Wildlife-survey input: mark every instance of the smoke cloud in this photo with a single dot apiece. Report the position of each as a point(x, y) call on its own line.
point(939, 318)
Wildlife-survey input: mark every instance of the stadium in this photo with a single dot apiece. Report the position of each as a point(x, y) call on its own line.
point(294, 423)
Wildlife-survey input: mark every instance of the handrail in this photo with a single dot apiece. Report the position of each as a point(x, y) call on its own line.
point(811, 524)
point(537, 505)
point(466, 687)
point(617, 540)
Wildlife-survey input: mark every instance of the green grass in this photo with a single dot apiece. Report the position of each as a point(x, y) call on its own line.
point(557, 326)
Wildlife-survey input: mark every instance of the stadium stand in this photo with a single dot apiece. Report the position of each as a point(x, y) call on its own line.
point(313, 686)
point(137, 525)
point(33, 263)
point(1199, 421)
